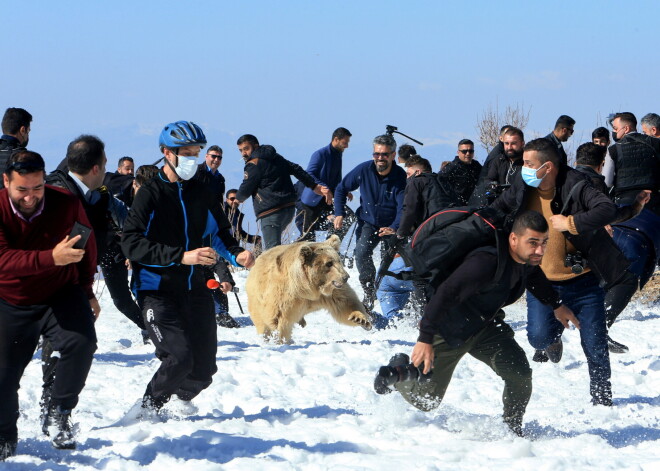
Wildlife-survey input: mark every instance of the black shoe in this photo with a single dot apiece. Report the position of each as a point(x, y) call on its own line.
point(555, 351)
point(145, 337)
point(225, 320)
point(57, 425)
point(616, 347)
point(7, 448)
point(601, 395)
point(369, 296)
point(515, 425)
point(540, 356)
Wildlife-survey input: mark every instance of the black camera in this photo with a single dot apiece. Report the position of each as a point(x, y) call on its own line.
point(390, 375)
point(576, 261)
point(494, 189)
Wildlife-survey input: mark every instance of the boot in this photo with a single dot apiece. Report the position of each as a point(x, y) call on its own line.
point(7, 448)
point(145, 337)
point(369, 296)
point(57, 425)
point(615, 347)
point(601, 394)
point(151, 405)
point(515, 425)
point(223, 319)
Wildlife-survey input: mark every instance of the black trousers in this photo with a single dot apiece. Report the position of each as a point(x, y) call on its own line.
point(68, 320)
point(115, 275)
point(182, 327)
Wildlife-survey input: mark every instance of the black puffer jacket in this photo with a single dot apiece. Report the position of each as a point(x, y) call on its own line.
point(7, 145)
point(267, 179)
point(591, 211)
point(463, 178)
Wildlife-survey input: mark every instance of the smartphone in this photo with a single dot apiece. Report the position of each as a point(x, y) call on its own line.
point(83, 231)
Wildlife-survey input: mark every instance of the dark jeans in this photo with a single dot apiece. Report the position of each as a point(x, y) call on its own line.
point(586, 299)
point(68, 320)
point(495, 346)
point(367, 240)
point(315, 218)
point(182, 327)
point(274, 224)
point(115, 274)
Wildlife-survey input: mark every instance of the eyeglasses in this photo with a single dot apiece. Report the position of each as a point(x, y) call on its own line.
point(214, 156)
point(466, 151)
point(381, 155)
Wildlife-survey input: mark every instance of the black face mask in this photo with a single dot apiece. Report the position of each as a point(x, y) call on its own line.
point(614, 138)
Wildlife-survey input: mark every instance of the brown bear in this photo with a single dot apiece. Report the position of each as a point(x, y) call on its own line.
point(289, 281)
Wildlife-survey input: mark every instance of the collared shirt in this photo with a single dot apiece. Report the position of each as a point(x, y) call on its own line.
point(91, 196)
point(20, 215)
point(211, 171)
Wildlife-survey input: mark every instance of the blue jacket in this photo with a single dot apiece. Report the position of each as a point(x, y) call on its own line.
point(325, 167)
point(381, 198)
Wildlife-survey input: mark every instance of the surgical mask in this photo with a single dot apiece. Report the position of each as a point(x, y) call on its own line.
point(529, 176)
point(186, 167)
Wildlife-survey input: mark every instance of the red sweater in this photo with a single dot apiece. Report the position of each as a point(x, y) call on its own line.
point(28, 274)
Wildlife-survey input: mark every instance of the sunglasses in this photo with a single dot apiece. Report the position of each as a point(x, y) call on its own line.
point(215, 156)
point(381, 155)
point(466, 151)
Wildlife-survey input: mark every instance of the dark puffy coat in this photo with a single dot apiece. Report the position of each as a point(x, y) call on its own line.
point(463, 178)
point(8, 144)
point(267, 179)
point(591, 211)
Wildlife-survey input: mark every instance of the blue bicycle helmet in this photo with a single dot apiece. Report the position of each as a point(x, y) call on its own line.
point(182, 134)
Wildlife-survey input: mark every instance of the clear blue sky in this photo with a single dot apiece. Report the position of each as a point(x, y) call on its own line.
point(290, 72)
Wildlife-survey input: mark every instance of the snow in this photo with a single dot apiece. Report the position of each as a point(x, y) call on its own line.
point(311, 406)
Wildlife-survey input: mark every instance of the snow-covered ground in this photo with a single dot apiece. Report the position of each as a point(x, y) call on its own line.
point(311, 406)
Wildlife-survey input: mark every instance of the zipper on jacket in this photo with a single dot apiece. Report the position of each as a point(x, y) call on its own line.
point(185, 227)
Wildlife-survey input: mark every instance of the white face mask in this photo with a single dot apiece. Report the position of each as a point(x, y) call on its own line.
point(186, 167)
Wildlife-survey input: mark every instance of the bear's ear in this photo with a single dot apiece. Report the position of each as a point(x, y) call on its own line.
point(334, 241)
point(306, 254)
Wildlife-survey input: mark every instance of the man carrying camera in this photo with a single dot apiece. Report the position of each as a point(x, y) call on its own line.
point(45, 286)
point(464, 315)
point(579, 259)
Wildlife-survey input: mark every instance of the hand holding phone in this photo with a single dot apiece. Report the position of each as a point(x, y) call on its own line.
point(84, 233)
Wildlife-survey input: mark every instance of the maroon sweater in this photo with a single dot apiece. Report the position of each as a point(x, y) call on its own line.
point(28, 274)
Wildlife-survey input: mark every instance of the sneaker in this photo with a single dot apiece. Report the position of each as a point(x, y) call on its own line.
point(616, 347)
point(225, 320)
point(57, 425)
point(540, 356)
point(555, 351)
point(7, 448)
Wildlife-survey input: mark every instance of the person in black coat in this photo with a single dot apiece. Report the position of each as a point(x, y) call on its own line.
point(561, 133)
point(15, 134)
point(463, 172)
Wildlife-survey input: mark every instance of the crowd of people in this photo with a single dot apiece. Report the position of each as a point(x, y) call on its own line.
point(581, 241)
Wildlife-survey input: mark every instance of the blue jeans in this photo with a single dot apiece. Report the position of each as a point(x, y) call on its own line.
point(274, 224)
point(638, 249)
point(393, 294)
point(586, 299)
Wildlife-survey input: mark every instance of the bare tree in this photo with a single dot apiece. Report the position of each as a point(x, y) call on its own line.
point(492, 120)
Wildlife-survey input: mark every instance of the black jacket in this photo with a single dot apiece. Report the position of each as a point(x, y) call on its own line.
point(563, 158)
point(425, 194)
point(166, 220)
point(597, 180)
point(463, 178)
point(475, 293)
point(215, 182)
point(121, 186)
point(236, 217)
point(267, 179)
point(8, 144)
point(106, 215)
point(591, 211)
point(503, 171)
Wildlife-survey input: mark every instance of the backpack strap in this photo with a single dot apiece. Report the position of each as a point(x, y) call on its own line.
point(572, 193)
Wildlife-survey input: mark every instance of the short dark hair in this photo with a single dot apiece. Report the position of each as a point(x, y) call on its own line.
point(405, 151)
point(651, 120)
point(214, 148)
point(626, 118)
point(249, 138)
point(504, 128)
point(529, 219)
point(600, 133)
point(126, 158)
point(230, 191)
point(419, 161)
point(590, 154)
point(546, 150)
point(465, 142)
point(23, 161)
point(514, 131)
point(564, 121)
point(341, 133)
point(144, 173)
point(83, 153)
point(14, 119)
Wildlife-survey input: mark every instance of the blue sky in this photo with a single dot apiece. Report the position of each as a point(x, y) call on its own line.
point(290, 72)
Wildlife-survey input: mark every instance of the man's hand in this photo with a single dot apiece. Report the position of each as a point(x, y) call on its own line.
point(609, 230)
point(201, 256)
point(339, 220)
point(127, 262)
point(319, 190)
point(225, 287)
point(642, 198)
point(96, 307)
point(65, 254)
point(559, 222)
point(563, 314)
point(349, 196)
point(385, 231)
point(422, 353)
point(245, 258)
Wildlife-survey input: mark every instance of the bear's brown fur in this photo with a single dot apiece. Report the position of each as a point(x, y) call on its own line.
point(289, 281)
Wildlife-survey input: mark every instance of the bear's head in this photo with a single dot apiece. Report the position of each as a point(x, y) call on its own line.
point(322, 265)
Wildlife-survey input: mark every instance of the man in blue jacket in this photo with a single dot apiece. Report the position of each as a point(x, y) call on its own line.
point(381, 185)
point(325, 168)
